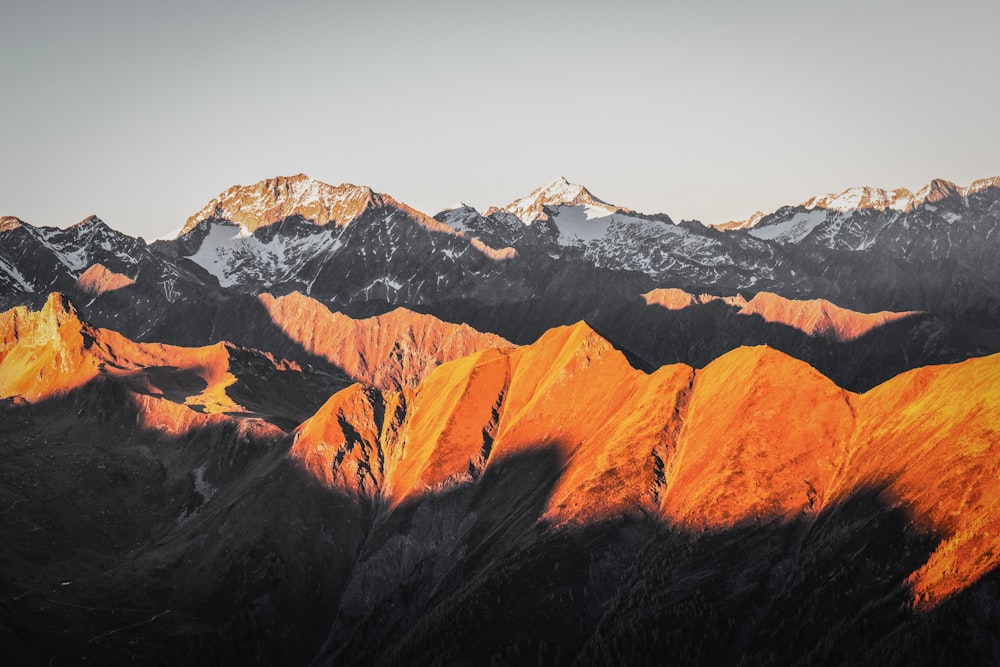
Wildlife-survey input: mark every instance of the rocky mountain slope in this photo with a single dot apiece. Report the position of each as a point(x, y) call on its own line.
point(585, 450)
point(341, 243)
point(278, 199)
point(869, 247)
point(37, 260)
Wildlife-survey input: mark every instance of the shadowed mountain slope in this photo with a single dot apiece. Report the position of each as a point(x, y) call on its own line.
point(549, 501)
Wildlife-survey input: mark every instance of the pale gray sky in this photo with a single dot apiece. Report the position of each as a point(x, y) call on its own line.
point(142, 111)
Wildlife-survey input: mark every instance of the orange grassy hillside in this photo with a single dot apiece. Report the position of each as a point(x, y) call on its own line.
point(52, 352)
point(935, 433)
point(816, 317)
point(98, 279)
point(756, 436)
point(762, 437)
point(389, 351)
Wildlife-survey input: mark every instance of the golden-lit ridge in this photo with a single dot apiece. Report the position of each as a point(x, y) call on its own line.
point(754, 437)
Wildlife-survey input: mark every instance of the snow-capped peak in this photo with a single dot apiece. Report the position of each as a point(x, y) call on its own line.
point(559, 192)
point(275, 199)
point(900, 199)
point(877, 199)
point(859, 198)
point(939, 189)
point(983, 184)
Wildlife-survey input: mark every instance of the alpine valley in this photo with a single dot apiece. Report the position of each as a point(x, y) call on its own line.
point(318, 426)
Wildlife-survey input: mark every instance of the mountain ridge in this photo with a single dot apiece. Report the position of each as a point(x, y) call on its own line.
point(727, 458)
point(321, 427)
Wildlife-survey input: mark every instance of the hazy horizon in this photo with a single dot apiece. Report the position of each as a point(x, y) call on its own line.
point(143, 113)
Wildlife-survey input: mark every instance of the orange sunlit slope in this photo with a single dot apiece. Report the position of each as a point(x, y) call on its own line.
point(52, 352)
point(935, 432)
point(98, 279)
point(762, 437)
point(816, 317)
point(388, 351)
point(755, 436)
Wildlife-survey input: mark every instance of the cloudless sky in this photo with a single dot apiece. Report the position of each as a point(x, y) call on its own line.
point(142, 111)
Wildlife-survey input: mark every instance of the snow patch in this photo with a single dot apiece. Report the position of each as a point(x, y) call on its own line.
point(556, 193)
point(18, 277)
point(582, 223)
point(792, 230)
point(235, 255)
point(74, 260)
point(217, 251)
point(202, 487)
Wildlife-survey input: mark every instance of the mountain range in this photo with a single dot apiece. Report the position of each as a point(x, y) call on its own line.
point(318, 426)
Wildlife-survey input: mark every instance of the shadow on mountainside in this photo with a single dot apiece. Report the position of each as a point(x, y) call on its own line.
point(653, 336)
point(237, 318)
point(127, 544)
point(418, 551)
point(701, 333)
point(131, 544)
point(826, 589)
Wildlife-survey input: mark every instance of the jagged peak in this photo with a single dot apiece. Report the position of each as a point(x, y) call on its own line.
point(578, 330)
point(576, 339)
point(394, 320)
point(91, 221)
point(739, 224)
point(872, 198)
point(397, 348)
point(984, 184)
point(937, 190)
point(863, 197)
point(59, 306)
point(275, 199)
point(55, 325)
point(900, 199)
point(10, 222)
point(559, 192)
point(57, 309)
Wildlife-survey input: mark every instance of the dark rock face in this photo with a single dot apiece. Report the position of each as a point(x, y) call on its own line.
point(131, 545)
